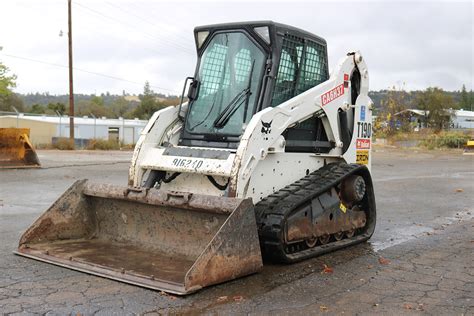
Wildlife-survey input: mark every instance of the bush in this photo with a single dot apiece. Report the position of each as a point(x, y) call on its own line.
point(101, 144)
point(446, 140)
point(63, 144)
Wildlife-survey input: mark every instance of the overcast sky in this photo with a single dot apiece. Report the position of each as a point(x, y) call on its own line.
point(420, 44)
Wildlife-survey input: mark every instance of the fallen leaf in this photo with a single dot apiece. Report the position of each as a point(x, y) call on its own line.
point(384, 261)
point(323, 308)
point(407, 306)
point(222, 298)
point(327, 269)
point(238, 298)
point(459, 190)
point(171, 297)
point(370, 266)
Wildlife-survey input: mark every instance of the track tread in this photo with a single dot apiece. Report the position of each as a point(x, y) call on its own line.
point(273, 210)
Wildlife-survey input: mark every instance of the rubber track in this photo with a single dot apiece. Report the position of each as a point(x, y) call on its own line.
point(272, 212)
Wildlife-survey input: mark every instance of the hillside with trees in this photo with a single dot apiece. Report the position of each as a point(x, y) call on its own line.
point(386, 102)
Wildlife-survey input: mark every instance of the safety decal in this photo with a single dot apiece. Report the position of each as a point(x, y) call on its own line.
point(342, 207)
point(362, 113)
point(332, 94)
point(362, 143)
point(362, 157)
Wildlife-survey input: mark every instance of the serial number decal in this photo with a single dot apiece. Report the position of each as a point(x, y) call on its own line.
point(364, 130)
point(362, 157)
point(188, 163)
point(332, 94)
point(363, 143)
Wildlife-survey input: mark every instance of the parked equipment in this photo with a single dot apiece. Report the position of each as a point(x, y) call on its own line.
point(16, 150)
point(469, 148)
point(270, 156)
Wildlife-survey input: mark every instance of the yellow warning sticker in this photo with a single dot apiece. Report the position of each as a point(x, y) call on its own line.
point(362, 157)
point(342, 207)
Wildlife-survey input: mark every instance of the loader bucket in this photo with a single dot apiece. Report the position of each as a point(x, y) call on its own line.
point(16, 151)
point(469, 148)
point(175, 242)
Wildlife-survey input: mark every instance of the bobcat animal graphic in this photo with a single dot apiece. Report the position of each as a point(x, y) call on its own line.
point(266, 127)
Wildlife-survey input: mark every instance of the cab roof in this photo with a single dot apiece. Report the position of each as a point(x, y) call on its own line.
point(278, 28)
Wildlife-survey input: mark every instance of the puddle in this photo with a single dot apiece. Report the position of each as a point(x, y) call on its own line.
point(452, 175)
point(401, 235)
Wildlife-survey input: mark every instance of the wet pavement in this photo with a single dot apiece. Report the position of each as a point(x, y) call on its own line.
point(420, 259)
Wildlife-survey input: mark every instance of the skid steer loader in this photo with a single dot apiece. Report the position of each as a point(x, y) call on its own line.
point(16, 150)
point(270, 156)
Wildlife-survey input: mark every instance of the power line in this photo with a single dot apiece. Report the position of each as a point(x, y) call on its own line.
point(154, 50)
point(182, 38)
point(86, 71)
point(182, 48)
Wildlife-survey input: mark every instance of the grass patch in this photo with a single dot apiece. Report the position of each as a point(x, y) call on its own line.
point(446, 140)
point(102, 144)
point(63, 144)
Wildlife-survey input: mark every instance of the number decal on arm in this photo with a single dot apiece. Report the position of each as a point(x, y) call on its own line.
point(364, 130)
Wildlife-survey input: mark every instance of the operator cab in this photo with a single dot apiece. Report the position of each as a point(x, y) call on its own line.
point(243, 68)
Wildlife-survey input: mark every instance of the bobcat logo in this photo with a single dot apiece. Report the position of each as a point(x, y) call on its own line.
point(266, 127)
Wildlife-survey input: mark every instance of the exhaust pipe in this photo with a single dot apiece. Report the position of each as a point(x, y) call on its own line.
point(171, 241)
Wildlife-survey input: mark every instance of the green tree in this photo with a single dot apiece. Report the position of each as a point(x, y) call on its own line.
point(120, 107)
point(437, 104)
point(393, 103)
point(94, 106)
point(467, 99)
point(7, 82)
point(56, 107)
point(148, 104)
point(37, 108)
point(99, 101)
point(8, 99)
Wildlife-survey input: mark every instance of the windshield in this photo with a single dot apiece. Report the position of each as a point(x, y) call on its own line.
point(231, 67)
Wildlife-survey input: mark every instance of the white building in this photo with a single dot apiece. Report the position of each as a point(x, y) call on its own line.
point(460, 119)
point(44, 128)
point(463, 119)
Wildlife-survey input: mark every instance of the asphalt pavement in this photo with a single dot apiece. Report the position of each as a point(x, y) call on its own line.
point(420, 259)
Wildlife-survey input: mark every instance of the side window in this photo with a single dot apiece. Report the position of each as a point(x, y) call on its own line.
point(286, 72)
point(302, 66)
point(290, 62)
point(314, 70)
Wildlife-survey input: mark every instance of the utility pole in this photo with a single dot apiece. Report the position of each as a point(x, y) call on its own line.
point(71, 91)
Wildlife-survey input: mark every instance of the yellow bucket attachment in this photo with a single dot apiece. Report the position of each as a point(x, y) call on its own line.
point(170, 241)
point(469, 148)
point(16, 151)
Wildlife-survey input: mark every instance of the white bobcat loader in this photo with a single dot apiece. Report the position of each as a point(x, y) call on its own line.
point(270, 156)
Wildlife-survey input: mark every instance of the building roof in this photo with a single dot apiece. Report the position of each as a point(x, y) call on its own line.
point(464, 113)
point(423, 113)
point(414, 111)
point(80, 120)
